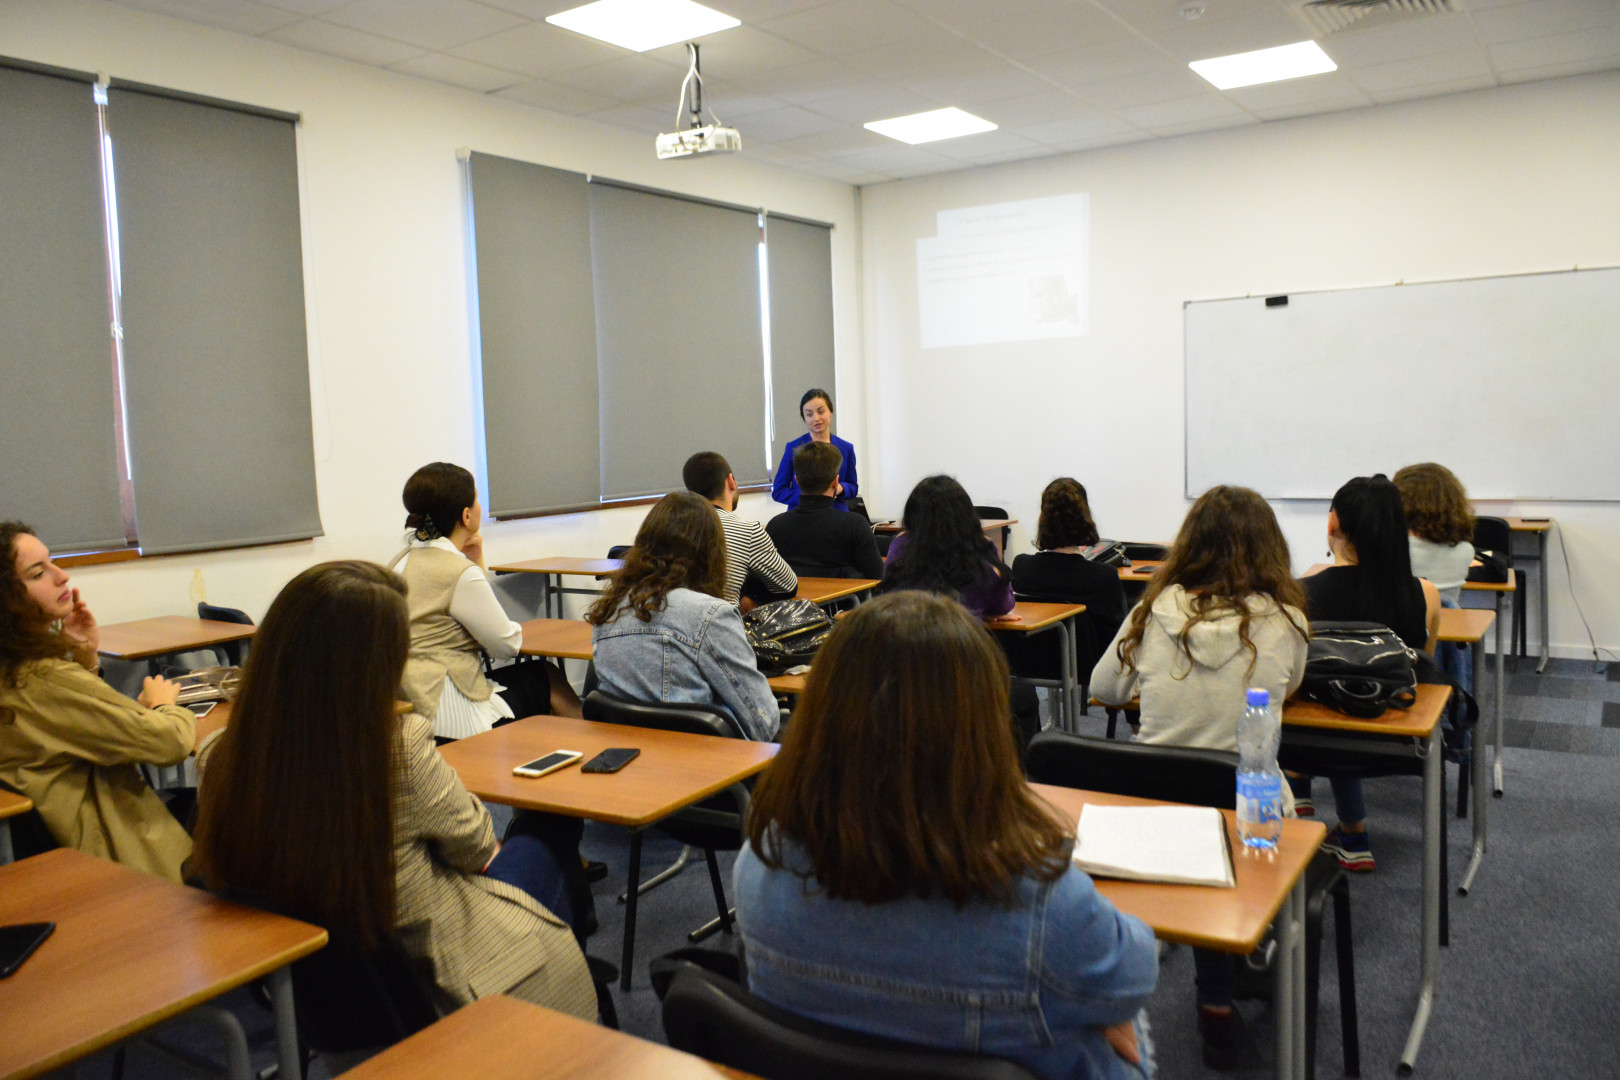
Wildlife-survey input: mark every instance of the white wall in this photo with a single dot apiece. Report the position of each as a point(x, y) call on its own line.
point(1495, 182)
point(385, 276)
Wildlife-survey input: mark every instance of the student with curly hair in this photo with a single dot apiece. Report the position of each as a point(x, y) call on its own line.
point(1440, 526)
point(70, 742)
point(663, 630)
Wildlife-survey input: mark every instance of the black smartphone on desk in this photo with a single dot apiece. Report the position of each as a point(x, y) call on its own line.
point(17, 943)
point(610, 760)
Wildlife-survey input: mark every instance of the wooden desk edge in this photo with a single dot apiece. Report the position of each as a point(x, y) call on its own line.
point(12, 804)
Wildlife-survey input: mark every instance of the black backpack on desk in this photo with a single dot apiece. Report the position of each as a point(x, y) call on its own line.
point(1359, 668)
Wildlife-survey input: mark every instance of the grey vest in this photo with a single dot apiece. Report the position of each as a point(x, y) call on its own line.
point(440, 646)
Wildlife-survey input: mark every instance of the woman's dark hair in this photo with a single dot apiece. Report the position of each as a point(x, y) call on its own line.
point(899, 775)
point(811, 395)
point(1372, 518)
point(435, 497)
point(1436, 504)
point(296, 806)
point(946, 549)
point(1229, 549)
point(680, 545)
point(26, 634)
point(1065, 516)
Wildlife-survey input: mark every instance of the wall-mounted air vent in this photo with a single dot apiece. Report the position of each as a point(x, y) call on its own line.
point(1326, 17)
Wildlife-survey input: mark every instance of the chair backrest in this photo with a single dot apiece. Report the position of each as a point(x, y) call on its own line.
point(1151, 552)
point(1493, 534)
point(231, 651)
point(1175, 773)
point(692, 719)
point(716, 1019)
point(991, 513)
point(617, 551)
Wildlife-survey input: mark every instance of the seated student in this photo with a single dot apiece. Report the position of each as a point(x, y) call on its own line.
point(817, 538)
point(902, 880)
point(1370, 580)
point(320, 800)
point(1221, 615)
point(663, 632)
point(943, 549)
point(456, 619)
point(70, 742)
point(1440, 524)
point(1058, 572)
point(753, 566)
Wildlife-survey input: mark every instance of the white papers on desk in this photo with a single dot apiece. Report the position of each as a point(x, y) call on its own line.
point(1180, 845)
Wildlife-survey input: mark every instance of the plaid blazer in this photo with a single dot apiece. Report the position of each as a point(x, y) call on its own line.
point(474, 936)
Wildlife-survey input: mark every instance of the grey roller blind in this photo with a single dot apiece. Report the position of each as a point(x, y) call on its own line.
point(537, 334)
point(215, 357)
point(57, 418)
point(680, 351)
point(800, 270)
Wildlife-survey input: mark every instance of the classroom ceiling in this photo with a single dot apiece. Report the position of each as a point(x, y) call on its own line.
point(800, 77)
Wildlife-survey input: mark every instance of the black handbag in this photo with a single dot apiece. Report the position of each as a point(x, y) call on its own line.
point(1107, 552)
point(786, 633)
point(1359, 668)
point(1494, 568)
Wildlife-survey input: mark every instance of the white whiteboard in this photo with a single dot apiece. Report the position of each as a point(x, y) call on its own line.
point(1512, 382)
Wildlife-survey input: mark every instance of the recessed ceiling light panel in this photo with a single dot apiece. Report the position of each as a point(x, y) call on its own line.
point(932, 126)
point(639, 25)
point(1265, 65)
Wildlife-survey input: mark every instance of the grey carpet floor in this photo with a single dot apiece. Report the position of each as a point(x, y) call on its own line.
point(1528, 988)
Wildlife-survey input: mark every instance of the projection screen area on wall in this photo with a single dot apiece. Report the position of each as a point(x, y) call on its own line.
point(1512, 382)
point(1015, 271)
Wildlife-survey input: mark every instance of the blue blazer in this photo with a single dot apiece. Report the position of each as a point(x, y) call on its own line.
point(784, 489)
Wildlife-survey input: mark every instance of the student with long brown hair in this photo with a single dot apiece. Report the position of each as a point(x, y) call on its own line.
point(901, 879)
point(943, 549)
point(1439, 524)
point(70, 742)
point(321, 801)
point(1221, 615)
point(663, 630)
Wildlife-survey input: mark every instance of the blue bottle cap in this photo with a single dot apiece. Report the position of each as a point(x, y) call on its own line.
point(1261, 698)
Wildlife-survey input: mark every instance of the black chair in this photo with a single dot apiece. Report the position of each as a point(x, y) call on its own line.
point(1135, 551)
point(1493, 534)
point(716, 1019)
point(715, 824)
point(231, 651)
point(1209, 778)
point(996, 513)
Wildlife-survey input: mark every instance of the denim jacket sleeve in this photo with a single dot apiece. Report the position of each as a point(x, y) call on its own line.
point(727, 662)
point(1102, 962)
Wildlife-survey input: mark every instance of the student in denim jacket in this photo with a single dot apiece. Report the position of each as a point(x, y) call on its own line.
point(901, 878)
point(663, 633)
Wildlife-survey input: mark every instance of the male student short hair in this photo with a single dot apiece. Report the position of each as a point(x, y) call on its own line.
point(705, 473)
point(815, 466)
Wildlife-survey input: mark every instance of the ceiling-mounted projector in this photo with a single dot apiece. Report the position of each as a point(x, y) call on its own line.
point(697, 137)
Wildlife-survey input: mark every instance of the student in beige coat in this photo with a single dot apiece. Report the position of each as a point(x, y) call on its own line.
point(70, 742)
point(322, 801)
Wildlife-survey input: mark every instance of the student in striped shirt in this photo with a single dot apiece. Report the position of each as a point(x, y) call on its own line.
point(753, 566)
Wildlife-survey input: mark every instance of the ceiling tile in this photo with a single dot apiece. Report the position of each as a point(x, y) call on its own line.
point(306, 7)
point(837, 170)
point(539, 50)
point(341, 41)
point(726, 99)
point(734, 53)
point(635, 118)
point(840, 140)
point(847, 26)
point(935, 55)
point(432, 24)
point(883, 103)
point(1053, 104)
point(897, 160)
point(1409, 93)
point(1099, 63)
point(1543, 18)
point(459, 72)
point(806, 83)
point(1244, 30)
point(1195, 127)
point(1098, 142)
point(989, 146)
point(557, 98)
point(1088, 125)
point(534, 9)
point(1028, 31)
point(1165, 85)
point(628, 78)
point(788, 122)
point(1556, 71)
point(1599, 45)
point(1332, 89)
point(754, 12)
point(1199, 107)
point(969, 88)
point(240, 16)
point(1401, 41)
point(1421, 71)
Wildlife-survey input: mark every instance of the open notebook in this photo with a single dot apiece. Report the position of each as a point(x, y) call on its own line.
point(1180, 845)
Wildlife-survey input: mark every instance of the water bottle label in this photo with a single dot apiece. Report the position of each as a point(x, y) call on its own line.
point(1259, 797)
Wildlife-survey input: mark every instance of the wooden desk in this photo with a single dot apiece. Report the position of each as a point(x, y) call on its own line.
point(502, 1038)
point(673, 771)
point(130, 951)
point(147, 639)
point(1028, 617)
point(566, 639)
point(1270, 888)
point(556, 567)
point(1139, 570)
point(11, 804)
point(827, 590)
point(1541, 529)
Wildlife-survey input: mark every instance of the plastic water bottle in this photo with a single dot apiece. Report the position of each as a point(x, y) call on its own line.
point(1259, 781)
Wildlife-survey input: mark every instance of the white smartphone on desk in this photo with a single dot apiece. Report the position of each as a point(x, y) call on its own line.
point(557, 759)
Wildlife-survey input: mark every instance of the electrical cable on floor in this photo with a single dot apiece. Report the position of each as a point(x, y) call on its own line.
point(1569, 581)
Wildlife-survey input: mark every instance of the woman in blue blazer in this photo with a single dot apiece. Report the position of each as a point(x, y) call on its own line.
point(817, 409)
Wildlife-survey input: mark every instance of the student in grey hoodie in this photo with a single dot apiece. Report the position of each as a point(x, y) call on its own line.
point(1221, 615)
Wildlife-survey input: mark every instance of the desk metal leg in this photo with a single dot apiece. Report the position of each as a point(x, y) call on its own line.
point(1476, 762)
point(545, 594)
point(1541, 586)
point(1068, 718)
point(1497, 707)
point(627, 953)
point(1288, 973)
point(1433, 822)
point(281, 1000)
